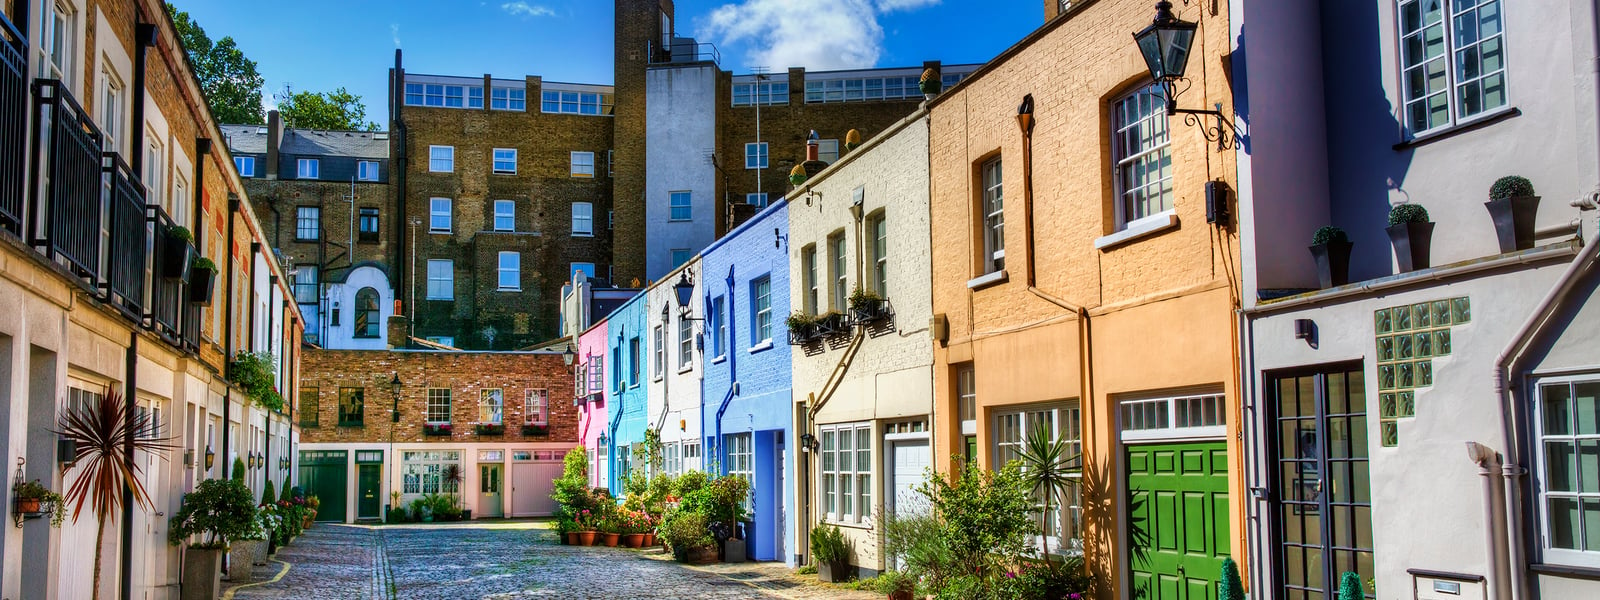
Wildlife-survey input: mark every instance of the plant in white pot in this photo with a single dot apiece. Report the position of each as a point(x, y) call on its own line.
point(218, 511)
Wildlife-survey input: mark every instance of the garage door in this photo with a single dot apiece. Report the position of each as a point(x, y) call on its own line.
point(909, 462)
point(324, 474)
point(533, 475)
point(1178, 519)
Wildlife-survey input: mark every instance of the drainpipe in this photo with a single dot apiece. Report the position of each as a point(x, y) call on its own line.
point(1509, 557)
point(227, 340)
point(1493, 519)
point(129, 395)
point(733, 373)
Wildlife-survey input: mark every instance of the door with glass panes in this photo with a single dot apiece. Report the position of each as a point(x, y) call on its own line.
point(1321, 491)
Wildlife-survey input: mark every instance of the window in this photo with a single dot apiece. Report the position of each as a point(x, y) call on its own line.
point(441, 280)
point(661, 353)
point(535, 405)
point(616, 360)
point(847, 472)
point(505, 215)
point(439, 215)
point(1569, 469)
point(352, 406)
point(1452, 53)
point(442, 339)
point(367, 224)
point(308, 168)
point(839, 271)
point(1143, 154)
point(878, 236)
point(368, 323)
point(246, 165)
point(438, 94)
point(421, 472)
point(680, 256)
point(583, 164)
point(624, 462)
point(680, 209)
point(155, 170)
point(584, 267)
point(442, 159)
point(474, 97)
point(828, 151)
point(859, 89)
point(508, 99)
point(609, 171)
point(967, 396)
point(719, 328)
point(994, 218)
point(438, 406)
point(576, 103)
point(180, 199)
point(740, 460)
point(491, 406)
point(367, 170)
point(671, 461)
point(691, 455)
point(633, 360)
point(308, 406)
point(111, 107)
point(755, 155)
point(505, 161)
point(511, 271)
point(305, 284)
point(808, 278)
point(768, 93)
point(1160, 418)
point(758, 200)
point(307, 223)
point(761, 307)
point(582, 219)
point(61, 43)
point(685, 343)
point(1063, 423)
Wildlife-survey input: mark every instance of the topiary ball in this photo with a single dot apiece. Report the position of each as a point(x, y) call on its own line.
point(1510, 186)
point(1408, 213)
point(1328, 235)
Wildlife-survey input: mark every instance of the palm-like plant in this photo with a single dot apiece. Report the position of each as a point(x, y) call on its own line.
point(453, 475)
point(1048, 468)
point(107, 439)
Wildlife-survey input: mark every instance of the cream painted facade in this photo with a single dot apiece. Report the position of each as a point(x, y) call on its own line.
point(676, 361)
point(880, 379)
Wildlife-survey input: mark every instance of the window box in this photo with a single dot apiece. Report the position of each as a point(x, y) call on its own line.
point(489, 429)
point(832, 324)
point(436, 429)
point(800, 335)
point(866, 310)
point(535, 430)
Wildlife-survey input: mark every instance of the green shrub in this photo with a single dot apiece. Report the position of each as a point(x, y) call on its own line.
point(827, 544)
point(238, 470)
point(689, 482)
point(180, 233)
point(1408, 213)
point(205, 264)
point(807, 570)
point(1350, 587)
point(916, 541)
point(218, 510)
point(1329, 234)
point(686, 530)
point(986, 516)
point(268, 494)
point(253, 371)
point(1511, 186)
point(1047, 579)
point(1229, 586)
point(889, 582)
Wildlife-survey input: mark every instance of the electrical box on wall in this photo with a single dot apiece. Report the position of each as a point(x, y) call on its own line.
point(1428, 585)
point(1216, 202)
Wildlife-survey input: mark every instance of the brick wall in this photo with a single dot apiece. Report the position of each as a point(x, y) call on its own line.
point(638, 23)
point(465, 374)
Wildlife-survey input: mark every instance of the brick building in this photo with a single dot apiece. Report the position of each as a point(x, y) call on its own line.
point(325, 204)
point(505, 418)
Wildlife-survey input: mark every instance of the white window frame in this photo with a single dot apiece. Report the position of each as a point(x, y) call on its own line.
point(755, 155)
point(1191, 416)
point(878, 249)
point(308, 168)
point(1010, 430)
point(113, 99)
point(673, 205)
point(441, 159)
point(1149, 121)
point(661, 352)
point(583, 164)
point(582, 219)
point(439, 404)
point(967, 398)
point(507, 98)
point(761, 310)
point(536, 407)
point(441, 208)
point(993, 215)
point(846, 472)
point(441, 279)
point(767, 93)
point(828, 151)
point(367, 170)
point(60, 35)
point(307, 223)
point(719, 327)
point(505, 215)
point(245, 165)
point(691, 451)
point(757, 199)
point(504, 161)
point(685, 344)
point(513, 269)
point(808, 274)
point(1450, 57)
point(1552, 554)
point(838, 272)
point(492, 406)
point(740, 455)
point(420, 471)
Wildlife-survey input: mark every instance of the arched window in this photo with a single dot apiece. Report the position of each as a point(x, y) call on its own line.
point(367, 313)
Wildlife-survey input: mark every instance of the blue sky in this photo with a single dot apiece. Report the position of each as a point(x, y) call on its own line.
point(321, 45)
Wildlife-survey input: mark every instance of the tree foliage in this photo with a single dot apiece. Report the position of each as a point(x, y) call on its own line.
point(228, 78)
point(337, 110)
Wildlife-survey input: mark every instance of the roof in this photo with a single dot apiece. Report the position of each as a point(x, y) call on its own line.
point(252, 139)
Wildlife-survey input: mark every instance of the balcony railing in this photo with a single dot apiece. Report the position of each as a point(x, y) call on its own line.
point(66, 223)
point(166, 293)
point(191, 326)
point(129, 256)
point(13, 124)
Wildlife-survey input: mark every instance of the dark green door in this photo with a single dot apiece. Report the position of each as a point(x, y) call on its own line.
point(324, 473)
point(1178, 519)
point(368, 478)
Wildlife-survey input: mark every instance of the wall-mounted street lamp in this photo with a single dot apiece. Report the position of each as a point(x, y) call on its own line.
point(283, 463)
point(685, 293)
point(1165, 45)
point(394, 390)
point(211, 457)
point(568, 355)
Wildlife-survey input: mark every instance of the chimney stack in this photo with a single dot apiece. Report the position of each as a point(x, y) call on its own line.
point(811, 146)
point(274, 135)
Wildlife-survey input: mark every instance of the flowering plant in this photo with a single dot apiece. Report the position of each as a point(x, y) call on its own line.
point(587, 520)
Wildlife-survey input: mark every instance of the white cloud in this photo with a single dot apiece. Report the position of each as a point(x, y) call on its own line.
point(394, 30)
point(815, 34)
point(525, 10)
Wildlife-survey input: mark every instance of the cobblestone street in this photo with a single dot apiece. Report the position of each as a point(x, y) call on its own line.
point(499, 561)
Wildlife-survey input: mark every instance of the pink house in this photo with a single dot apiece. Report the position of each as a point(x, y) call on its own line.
point(590, 372)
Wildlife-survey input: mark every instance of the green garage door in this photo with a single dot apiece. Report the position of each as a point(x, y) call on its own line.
point(1178, 519)
point(326, 475)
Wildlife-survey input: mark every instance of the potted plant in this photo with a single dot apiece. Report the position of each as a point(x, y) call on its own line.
point(797, 176)
point(727, 494)
point(832, 323)
point(535, 430)
point(219, 511)
point(930, 84)
point(251, 547)
point(802, 328)
point(1514, 207)
point(867, 307)
point(685, 532)
point(33, 500)
point(436, 429)
point(896, 585)
point(177, 252)
point(1412, 235)
point(830, 553)
point(610, 530)
point(489, 429)
point(395, 510)
point(587, 523)
point(852, 140)
point(635, 523)
point(202, 280)
point(1330, 247)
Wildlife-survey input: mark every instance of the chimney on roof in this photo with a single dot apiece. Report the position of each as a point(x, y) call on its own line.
point(812, 140)
point(274, 135)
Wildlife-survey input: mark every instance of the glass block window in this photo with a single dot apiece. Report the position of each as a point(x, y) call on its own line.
point(1408, 339)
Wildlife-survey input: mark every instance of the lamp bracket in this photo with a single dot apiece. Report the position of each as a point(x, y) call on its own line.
point(1225, 133)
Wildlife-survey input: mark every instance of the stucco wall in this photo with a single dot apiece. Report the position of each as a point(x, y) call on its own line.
point(680, 135)
point(343, 336)
point(675, 393)
point(592, 419)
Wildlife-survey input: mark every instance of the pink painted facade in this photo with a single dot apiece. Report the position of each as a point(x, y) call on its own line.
point(590, 369)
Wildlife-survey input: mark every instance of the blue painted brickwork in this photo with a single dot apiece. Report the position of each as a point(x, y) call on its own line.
point(626, 395)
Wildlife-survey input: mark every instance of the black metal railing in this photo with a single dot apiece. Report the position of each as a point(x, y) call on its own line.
point(13, 124)
point(66, 214)
point(191, 326)
point(166, 293)
point(129, 255)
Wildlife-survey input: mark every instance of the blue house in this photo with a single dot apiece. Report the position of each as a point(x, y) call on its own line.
point(627, 345)
point(748, 409)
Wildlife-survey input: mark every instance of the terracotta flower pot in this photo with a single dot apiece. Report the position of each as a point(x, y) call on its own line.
point(28, 505)
point(650, 540)
point(610, 539)
point(586, 538)
point(633, 540)
point(570, 538)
